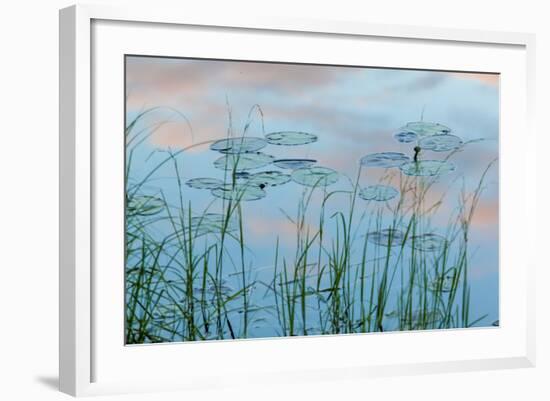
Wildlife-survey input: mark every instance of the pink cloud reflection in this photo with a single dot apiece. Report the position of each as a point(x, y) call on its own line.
point(488, 79)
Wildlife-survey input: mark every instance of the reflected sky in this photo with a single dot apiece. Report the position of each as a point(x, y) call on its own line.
point(353, 111)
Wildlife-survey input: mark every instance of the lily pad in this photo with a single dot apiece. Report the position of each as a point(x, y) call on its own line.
point(387, 237)
point(243, 161)
point(440, 143)
point(427, 168)
point(204, 183)
point(315, 176)
point(293, 164)
point(406, 136)
point(239, 192)
point(428, 242)
point(145, 205)
point(242, 175)
point(239, 145)
point(268, 178)
point(425, 128)
point(378, 193)
point(290, 138)
point(385, 159)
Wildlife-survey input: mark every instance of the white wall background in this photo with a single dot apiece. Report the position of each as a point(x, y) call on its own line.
point(29, 185)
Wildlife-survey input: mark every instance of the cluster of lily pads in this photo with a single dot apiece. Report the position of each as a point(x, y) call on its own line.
point(247, 172)
point(240, 156)
point(394, 237)
point(426, 136)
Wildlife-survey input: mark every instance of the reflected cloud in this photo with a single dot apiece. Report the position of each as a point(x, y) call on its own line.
point(263, 226)
point(172, 134)
point(160, 81)
point(488, 79)
point(353, 111)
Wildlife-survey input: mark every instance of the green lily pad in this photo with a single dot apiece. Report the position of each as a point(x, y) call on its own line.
point(204, 183)
point(239, 145)
point(315, 176)
point(243, 161)
point(427, 168)
point(384, 159)
point(406, 136)
point(428, 242)
point(426, 128)
point(268, 179)
point(293, 164)
point(242, 175)
point(378, 193)
point(387, 237)
point(144, 205)
point(290, 138)
point(239, 192)
point(440, 143)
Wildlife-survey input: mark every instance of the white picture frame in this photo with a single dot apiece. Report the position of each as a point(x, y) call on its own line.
point(88, 361)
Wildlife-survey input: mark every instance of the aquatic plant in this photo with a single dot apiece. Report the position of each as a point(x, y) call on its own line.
point(406, 136)
point(425, 128)
point(384, 159)
point(290, 138)
point(204, 183)
point(243, 161)
point(427, 168)
point(315, 176)
point(378, 192)
point(238, 145)
point(294, 164)
point(377, 264)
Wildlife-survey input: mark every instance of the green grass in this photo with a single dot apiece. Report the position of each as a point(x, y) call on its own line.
point(336, 281)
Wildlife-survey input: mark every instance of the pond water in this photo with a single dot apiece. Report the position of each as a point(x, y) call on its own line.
point(278, 216)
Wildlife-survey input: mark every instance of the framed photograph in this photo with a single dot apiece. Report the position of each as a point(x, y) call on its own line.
point(269, 200)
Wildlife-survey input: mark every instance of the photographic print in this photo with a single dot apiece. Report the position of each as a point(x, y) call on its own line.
point(268, 199)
